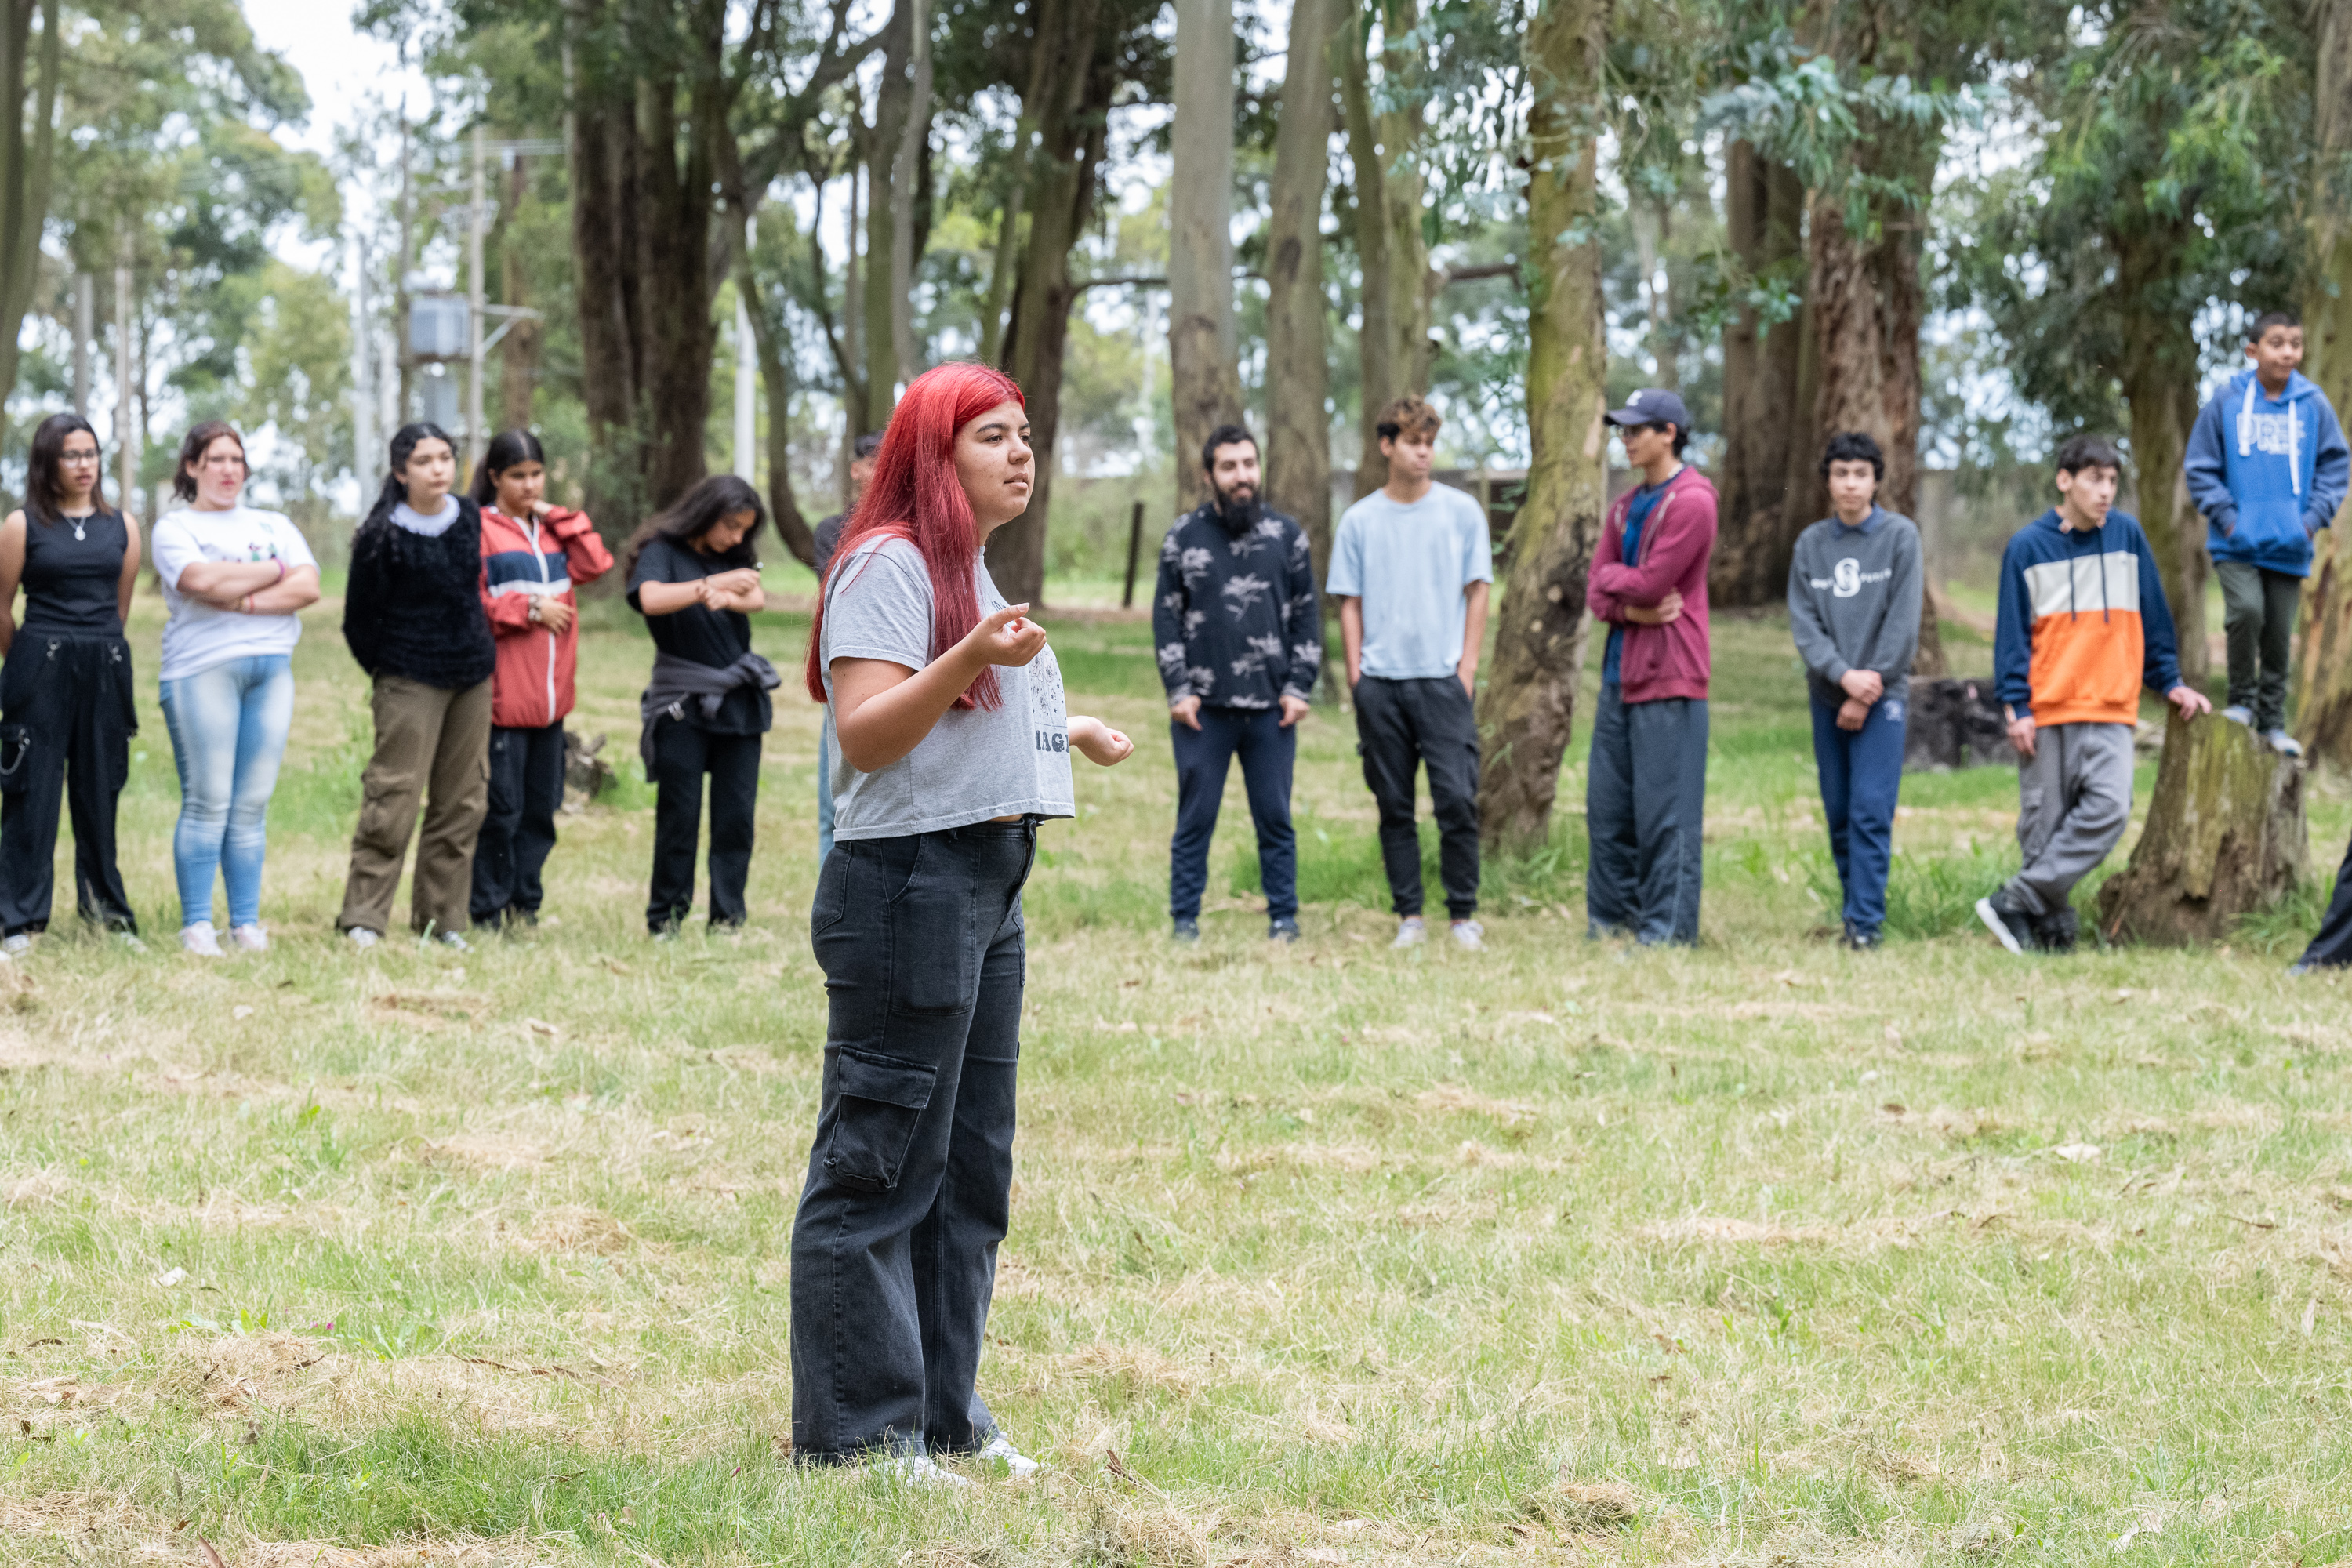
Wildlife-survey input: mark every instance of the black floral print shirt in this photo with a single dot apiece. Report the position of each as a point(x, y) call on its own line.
point(1235, 618)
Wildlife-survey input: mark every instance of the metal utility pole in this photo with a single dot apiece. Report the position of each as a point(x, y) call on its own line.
point(747, 395)
point(85, 328)
point(475, 440)
point(363, 389)
point(126, 440)
point(400, 307)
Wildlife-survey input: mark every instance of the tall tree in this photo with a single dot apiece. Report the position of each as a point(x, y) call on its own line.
point(2327, 293)
point(1387, 124)
point(1202, 345)
point(1762, 351)
point(1297, 371)
point(1529, 704)
point(27, 153)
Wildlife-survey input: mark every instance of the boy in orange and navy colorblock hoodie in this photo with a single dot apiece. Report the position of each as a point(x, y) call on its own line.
point(2083, 625)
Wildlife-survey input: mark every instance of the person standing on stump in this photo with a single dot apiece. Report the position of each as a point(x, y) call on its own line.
point(1239, 644)
point(1646, 790)
point(1411, 568)
point(2082, 623)
point(2267, 465)
point(1854, 608)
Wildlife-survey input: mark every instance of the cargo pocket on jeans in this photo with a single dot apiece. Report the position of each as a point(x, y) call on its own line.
point(15, 758)
point(881, 1101)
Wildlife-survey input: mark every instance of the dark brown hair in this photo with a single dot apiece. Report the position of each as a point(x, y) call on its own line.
point(41, 487)
point(192, 452)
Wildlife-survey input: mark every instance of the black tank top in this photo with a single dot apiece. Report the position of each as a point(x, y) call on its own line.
point(70, 585)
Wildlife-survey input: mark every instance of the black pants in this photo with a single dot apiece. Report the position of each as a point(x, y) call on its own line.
point(1645, 813)
point(1404, 724)
point(2332, 947)
point(910, 1177)
point(1267, 750)
point(2258, 610)
point(683, 752)
point(65, 723)
point(519, 828)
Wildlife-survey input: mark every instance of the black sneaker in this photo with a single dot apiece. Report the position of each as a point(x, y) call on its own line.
point(1187, 930)
point(2007, 920)
point(2056, 931)
point(1284, 929)
point(1858, 940)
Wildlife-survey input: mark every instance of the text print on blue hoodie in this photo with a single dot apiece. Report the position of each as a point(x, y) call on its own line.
point(2267, 472)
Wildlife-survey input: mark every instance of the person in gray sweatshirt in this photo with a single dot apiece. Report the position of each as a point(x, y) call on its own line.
point(1853, 607)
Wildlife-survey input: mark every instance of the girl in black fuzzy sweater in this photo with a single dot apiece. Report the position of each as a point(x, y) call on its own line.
point(413, 617)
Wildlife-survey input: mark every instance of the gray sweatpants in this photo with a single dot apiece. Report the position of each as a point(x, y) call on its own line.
point(2073, 802)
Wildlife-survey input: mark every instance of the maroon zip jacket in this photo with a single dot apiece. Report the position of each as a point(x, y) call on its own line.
point(1659, 661)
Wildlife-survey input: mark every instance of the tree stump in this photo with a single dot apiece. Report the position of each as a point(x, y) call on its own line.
point(2322, 689)
point(2224, 837)
point(1954, 724)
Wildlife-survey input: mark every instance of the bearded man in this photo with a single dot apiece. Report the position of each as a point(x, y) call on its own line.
point(1239, 644)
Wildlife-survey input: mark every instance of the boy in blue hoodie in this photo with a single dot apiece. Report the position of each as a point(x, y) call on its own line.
point(2267, 466)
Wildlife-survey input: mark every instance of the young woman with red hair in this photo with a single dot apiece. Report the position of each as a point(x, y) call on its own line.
point(950, 744)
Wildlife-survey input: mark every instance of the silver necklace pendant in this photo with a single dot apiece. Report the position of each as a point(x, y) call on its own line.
point(77, 530)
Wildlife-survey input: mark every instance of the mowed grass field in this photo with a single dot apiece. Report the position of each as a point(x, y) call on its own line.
point(1760, 1253)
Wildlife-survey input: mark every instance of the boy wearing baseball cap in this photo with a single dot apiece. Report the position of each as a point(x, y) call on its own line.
point(1646, 790)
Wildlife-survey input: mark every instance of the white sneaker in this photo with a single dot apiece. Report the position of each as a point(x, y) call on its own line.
point(17, 946)
point(361, 937)
point(131, 940)
point(198, 939)
point(2237, 715)
point(1467, 935)
point(1001, 1450)
point(252, 938)
point(918, 1470)
point(455, 941)
point(1412, 932)
point(2284, 744)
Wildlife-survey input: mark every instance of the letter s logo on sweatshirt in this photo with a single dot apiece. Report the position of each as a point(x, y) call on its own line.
point(1845, 580)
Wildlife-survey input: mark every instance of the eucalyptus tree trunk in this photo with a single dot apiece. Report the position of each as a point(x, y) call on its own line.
point(771, 342)
point(2322, 661)
point(1201, 343)
point(893, 110)
point(909, 175)
point(1298, 369)
point(1529, 704)
point(2158, 375)
point(27, 150)
point(1069, 94)
point(1385, 148)
point(1764, 209)
point(519, 354)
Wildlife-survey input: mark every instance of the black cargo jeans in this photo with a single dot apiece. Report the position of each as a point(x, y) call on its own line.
point(910, 1178)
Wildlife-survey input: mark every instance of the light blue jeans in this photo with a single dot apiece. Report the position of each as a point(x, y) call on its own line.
point(228, 727)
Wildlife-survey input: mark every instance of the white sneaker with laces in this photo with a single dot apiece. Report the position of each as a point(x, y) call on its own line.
point(2237, 715)
point(2284, 744)
point(17, 946)
point(1468, 935)
point(1411, 933)
point(130, 939)
point(252, 938)
point(198, 939)
point(1000, 1451)
point(361, 937)
point(455, 941)
point(918, 1470)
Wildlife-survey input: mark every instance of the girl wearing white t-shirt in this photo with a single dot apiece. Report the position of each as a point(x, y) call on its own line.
point(234, 578)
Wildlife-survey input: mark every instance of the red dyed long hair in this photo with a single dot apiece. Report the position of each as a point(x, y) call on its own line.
point(914, 496)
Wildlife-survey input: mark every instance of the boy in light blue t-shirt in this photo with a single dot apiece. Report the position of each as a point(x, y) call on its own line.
point(1410, 568)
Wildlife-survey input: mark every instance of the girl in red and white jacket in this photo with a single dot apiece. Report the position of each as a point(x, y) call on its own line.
point(534, 555)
